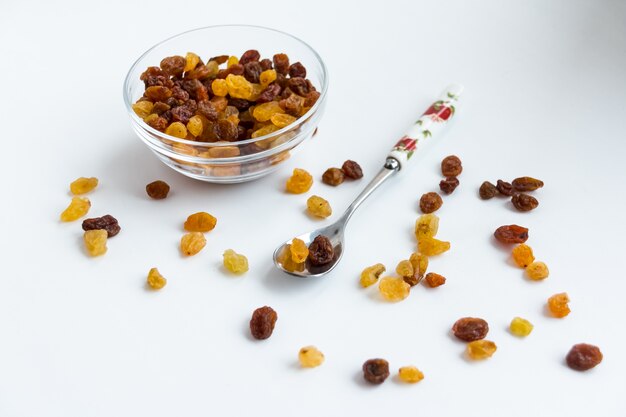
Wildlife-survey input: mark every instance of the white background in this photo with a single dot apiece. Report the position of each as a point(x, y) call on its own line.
point(545, 96)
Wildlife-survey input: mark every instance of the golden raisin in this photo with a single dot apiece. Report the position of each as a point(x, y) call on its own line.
point(195, 126)
point(264, 112)
point(281, 119)
point(370, 275)
point(310, 357)
point(426, 225)
point(200, 222)
point(435, 280)
point(520, 327)
point(318, 206)
point(430, 246)
point(191, 61)
point(192, 243)
point(405, 269)
point(267, 77)
point(177, 129)
point(235, 262)
point(481, 349)
point(287, 262)
point(299, 182)
point(83, 185)
point(299, 250)
point(419, 263)
point(232, 60)
point(557, 304)
point(523, 255)
point(537, 271)
point(238, 86)
point(143, 108)
point(156, 281)
point(265, 130)
point(79, 206)
point(410, 374)
point(95, 242)
point(219, 87)
point(393, 289)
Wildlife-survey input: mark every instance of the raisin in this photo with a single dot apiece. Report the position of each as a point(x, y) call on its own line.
point(451, 166)
point(143, 108)
point(297, 70)
point(155, 280)
point(83, 185)
point(181, 114)
point(203, 72)
point(173, 65)
point(158, 93)
point(537, 271)
point(269, 94)
point(481, 349)
point(262, 322)
point(158, 190)
point(200, 222)
point(220, 103)
point(220, 59)
point(410, 374)
point(207, 109)
point(191, 61)
point(430, 202)
point(266, 64)
point(252, 71)
point(299, 182)
point(281, 120)
point(370, 275)
point(318, 206)
point(375, 371)
point(292, 104)
point(505, 188)
point(520, 327)
point(523, 255)
point(107, 222)
point(352, 170)
point(524, 202)
point(177, 129)
point(238, 86)
point(79, 206)
point(192, 243)
point(311, 98)
point(232, 60)
point(523, 184)
point(196, 90)
point(195, 126)
point(469, 329)
point(333, 176)
point(281, 63)
point(95, 242)
point(235, 262)
point(487, 190)
point(286, 260)
point(449, 184)
point(405, 270)
point(219, 87)
point(299, 251)
point(160, 108)
point(265, 130)
point(310, 357)
point(393, 289)
point(426, 225)
point(160, 124)
point(267, 77)
point(226, 130)
point(152, 72)
point(321, 251)
point(249, 56)
point(430, 246)
point(264, 112)
point(298, 85)
point(583, 357)
point(180, 94)
point(434, 280)
point(558, 305)
point(511, 234)
point(420, 264)
point(239, 103)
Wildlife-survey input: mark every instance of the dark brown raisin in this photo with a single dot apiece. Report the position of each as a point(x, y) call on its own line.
point(106, 222)
point(249, 56)
point(451, 166)
point(526, 184)
point(333, 176)
point(487, 190)
point(321, 251)
point(251, 71)
point(412, 280)
point(207, 109)
point(239, 103)
point(172, 102)
point(292, 105)
point(281, 80)
point(352, 170)
point(173, 65)
point(180, 94)
point(266, 64)
point(152, 72)
point(159, 123)
point(226, 130)
point(311, 98)
point(158, 189)
point(220, 59)
point(158, 93)
point(469, 329)
point(269, 93)
point(505, 188)
point(583, 357)
point(241, 133)
point(160, 107)
point(524, 202)
point(449, 185)
point(297, 70)
point(181, 114)
point(167, 115)
point(430, 202)
point(262, 322)
point(236, 69)
point(196, 89)
point(511, 234)
point(281, 63)
point(299, 86)
point(375, 371)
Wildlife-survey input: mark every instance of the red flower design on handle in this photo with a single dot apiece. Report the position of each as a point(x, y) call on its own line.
point(440, 111)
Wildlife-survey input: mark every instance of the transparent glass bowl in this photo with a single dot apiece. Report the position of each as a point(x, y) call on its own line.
point(228, 162)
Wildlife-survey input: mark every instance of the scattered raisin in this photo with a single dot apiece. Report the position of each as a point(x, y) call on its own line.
point(299, 250)
point(451, 166)
point(299, 182)
point(235, 262)
point(524, 202)
point(376, 371)
point(310, 357)
point(200, 222)
point(318, 206)
point(192, 243)
point(449, 184)
point(469, 329)
point(434, 280)
point(524, 184)
point(430, 246)
point(352, 170)
point(321, 251)
point(537, 271)
point(393, 289)
point(583, 357)
point(481, 349)
point(420, 265)
point(410, 374)
point(297, 70)
point(83, 185)
point(426, 225)
point(370, 275)
point(158, 190)
point(487, 190)
point(107, 222)
point(79, 206)
point(505, 188)
point(523, 255)
point(430, 202)
point(333, 176)
point(155, 280)
point(281, 63)
point(520, 327)
point(405, 270)
point(262, 322)
point(249, 56)
point(558, 305)
point(95, 242)
point(511, 234)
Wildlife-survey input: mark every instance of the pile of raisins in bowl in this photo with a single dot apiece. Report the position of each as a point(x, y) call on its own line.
point(226, 99)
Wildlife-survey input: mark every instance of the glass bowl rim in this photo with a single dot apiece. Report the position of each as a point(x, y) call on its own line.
point(301, 120)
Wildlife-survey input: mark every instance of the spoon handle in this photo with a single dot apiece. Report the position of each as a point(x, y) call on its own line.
point(433, 120)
